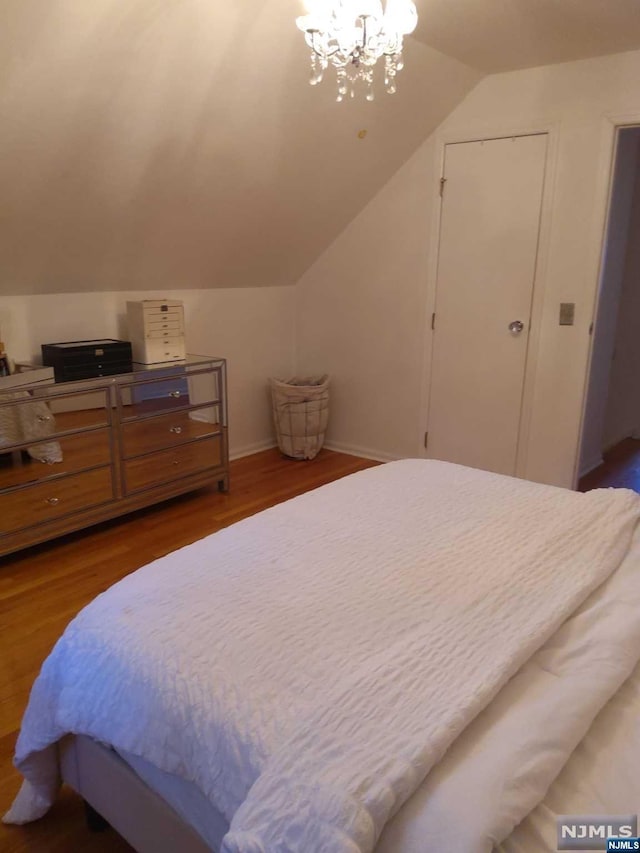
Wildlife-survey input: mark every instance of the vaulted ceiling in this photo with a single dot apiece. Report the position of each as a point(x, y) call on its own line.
point(502, 35)
point(160, 144)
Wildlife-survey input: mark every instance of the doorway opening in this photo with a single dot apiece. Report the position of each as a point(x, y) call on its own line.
point(610, 446)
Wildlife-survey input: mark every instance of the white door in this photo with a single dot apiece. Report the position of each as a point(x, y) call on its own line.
point(489, 230)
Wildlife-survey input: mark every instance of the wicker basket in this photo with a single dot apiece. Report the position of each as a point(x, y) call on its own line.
point(300, 414)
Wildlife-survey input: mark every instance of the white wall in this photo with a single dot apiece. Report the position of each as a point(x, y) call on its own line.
point(363, 306)
point(611, 285)
point(251, 327)
point(361, 317)
point(623, 403)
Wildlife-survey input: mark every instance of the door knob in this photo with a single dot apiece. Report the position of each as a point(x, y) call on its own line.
point(515, 327)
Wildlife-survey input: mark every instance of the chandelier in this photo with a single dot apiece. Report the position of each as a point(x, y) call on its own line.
point(352, 35)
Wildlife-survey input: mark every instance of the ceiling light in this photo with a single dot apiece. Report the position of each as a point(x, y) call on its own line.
point(352, 35)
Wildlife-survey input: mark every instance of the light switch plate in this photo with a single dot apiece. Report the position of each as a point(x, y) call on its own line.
point(567, 313)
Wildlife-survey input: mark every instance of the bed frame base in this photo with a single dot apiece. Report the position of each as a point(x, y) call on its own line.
point(119, 798)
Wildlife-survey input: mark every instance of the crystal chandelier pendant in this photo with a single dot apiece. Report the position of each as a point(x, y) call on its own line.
point(352, 35)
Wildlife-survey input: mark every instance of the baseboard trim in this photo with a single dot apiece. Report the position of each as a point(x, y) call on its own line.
point(361, 452)
point(623, 435)
point(250, 449)
point(338, 447)
point(590, 466)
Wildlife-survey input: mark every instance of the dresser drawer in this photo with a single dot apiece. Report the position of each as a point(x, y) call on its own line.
point(165, 431)
point(168, 465)
point(29, 418)
point(172, 390)
point(86, 450)
point(52, 500)
point(166, 394)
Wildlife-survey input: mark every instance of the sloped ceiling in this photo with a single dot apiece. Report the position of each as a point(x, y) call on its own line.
point(160, 144)
point(502, 35)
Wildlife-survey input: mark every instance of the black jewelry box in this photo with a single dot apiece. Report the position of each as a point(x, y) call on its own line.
point(86, 359)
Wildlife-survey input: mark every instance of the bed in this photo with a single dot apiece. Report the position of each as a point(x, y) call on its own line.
point(418, 657)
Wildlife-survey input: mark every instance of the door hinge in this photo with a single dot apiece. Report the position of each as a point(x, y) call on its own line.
point(426, 440)
point(433, 320)
point(591, 329)
point(443, 181)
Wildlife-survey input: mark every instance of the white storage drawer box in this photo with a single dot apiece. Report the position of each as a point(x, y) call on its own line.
point(156, 330)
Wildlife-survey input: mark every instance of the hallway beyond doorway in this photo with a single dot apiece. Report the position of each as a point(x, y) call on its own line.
point(620, 469)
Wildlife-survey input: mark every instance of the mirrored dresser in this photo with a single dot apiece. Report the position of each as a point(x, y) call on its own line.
point(76, 453)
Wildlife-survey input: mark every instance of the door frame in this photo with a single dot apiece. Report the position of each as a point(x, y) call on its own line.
point(610, 134)
point(551, 130)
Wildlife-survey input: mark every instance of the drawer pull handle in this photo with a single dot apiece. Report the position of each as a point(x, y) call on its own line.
point(175, 394)
point(53, 501)
point(175, 462)
point(43, 418)
point(176, 430)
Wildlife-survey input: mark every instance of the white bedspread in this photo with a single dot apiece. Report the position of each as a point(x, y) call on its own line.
point(308, 666)
point(505, 760)
point(502, 765)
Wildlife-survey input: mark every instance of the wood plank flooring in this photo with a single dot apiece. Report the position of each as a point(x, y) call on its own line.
point(43, 588)
point(620, 469)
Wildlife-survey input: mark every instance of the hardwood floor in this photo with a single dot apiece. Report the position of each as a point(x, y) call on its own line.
point(43, 588)
point(620, 469)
